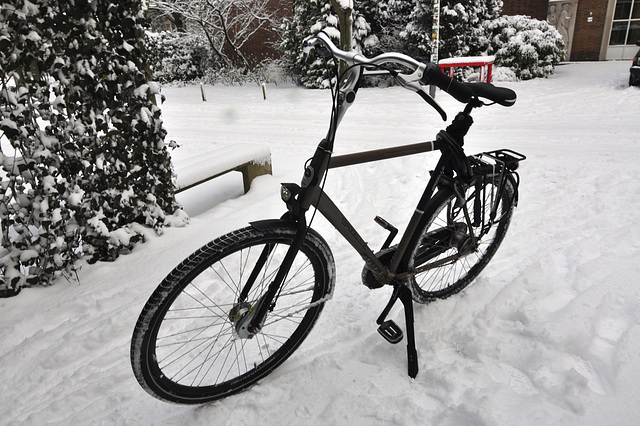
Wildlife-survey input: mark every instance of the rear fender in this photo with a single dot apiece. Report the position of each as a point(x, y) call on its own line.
point(514, 178)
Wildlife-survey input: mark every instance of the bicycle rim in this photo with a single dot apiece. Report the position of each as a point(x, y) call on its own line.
point(445, 258)
point(191, 350)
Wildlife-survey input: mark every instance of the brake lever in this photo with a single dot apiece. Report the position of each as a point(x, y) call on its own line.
point(424, 95)
point(305, 52)
point(412, 82)
point(315, 43)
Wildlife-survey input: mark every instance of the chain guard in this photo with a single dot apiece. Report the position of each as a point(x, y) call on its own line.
point(368, 278)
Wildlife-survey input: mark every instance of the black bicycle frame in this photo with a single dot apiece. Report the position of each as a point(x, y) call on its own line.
point(300, 199)
point(312, 195)
point(317, 198)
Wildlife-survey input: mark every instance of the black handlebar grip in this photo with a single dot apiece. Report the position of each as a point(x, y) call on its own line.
point(433, 76)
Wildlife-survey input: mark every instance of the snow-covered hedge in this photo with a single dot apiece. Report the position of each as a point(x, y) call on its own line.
point(178, 57)
point(82, 154)
point(529, 47)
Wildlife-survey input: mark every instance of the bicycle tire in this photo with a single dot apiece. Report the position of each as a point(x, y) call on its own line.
point(185, 347)
point(442, 234)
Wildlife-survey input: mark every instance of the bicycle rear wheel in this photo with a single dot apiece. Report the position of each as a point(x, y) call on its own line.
point(444, 254)
point(188, 346)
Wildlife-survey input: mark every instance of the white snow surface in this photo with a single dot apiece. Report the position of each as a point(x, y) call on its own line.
point(548, 334)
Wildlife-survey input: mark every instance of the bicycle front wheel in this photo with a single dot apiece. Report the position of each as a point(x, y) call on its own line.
point(188, 346)
point(452, 247)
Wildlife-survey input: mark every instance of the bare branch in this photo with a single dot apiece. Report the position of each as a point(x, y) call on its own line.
point(230, 22)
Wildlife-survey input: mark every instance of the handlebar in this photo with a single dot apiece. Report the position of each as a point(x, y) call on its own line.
point(435, 77)
point(327, 49)
point(423, 74)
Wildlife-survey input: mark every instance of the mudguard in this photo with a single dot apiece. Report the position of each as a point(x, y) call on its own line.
point(262, 225)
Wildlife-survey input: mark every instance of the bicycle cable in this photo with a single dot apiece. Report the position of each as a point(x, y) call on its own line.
point(335, 105)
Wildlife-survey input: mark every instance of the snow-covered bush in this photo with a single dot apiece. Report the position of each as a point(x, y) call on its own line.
point(178, 57)
point(269, 71)
point(82, 151)
point(503, 74)
point(529, 47)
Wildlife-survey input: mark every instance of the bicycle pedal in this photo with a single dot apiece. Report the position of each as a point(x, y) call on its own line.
point(391, 332)
point(393, 231)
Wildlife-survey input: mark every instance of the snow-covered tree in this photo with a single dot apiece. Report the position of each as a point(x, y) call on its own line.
point(309, 18)
point(82, 144)
point(388, 21)
point(461, 27)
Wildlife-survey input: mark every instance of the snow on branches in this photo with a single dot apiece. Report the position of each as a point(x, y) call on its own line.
point(528, 47)
point(226, 24)
point(310, 17)
point(82, 152)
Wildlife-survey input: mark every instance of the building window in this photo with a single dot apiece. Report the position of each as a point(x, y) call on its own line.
point(626, 23)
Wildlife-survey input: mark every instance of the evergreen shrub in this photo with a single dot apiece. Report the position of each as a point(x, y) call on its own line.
point(82, 154)
point(529, 47)
point(178, 56)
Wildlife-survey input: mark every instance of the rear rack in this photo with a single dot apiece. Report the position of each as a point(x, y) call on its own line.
point(496, 161)
point(496, 166)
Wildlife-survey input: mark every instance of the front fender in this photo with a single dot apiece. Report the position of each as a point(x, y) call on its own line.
point(312, 239)
point(262, 225)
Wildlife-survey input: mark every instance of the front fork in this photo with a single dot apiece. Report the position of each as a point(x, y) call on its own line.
point(298, 201)
point(251, 320)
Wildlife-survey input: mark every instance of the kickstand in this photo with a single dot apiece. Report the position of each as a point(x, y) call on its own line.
point(412, 353)
point(393, 334)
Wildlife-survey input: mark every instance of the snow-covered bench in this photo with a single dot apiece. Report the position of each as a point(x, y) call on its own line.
point(249, 159)
point(484, 62)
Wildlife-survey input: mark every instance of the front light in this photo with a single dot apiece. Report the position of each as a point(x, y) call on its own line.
point(285, 193)
point(288, 191)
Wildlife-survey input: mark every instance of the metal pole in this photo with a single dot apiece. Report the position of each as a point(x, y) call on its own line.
point(435, 37)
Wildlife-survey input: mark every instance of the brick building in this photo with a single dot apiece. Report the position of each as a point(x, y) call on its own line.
point(534, 8)
point(593, 29)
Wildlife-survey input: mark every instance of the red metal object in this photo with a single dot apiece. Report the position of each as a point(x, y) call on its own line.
point(484, 62)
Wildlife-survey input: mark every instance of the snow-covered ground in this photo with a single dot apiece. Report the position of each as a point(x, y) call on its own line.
point(548, 334)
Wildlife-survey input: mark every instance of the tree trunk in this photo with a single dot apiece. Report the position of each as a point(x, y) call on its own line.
point(345, 22)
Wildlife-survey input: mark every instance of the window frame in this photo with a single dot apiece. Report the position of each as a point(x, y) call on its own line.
point(630, 21)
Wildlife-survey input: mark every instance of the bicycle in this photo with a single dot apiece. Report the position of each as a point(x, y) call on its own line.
point(239, 306)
